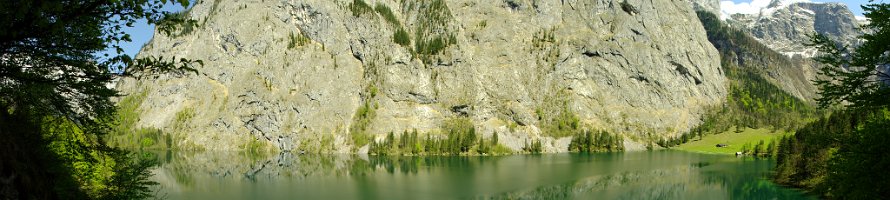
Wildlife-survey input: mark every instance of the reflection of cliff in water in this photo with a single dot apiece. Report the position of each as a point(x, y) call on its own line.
point(640, 175)
point(251, 166)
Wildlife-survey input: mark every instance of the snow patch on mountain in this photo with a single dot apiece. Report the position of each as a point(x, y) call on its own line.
point(767, 7)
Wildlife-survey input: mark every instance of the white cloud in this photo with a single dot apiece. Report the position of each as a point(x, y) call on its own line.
point(861, 18)
point(753, 7)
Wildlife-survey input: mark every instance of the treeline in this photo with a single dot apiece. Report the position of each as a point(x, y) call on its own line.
point(842, 155)
point(761, 149)
point(461, 139)
point(596, 141)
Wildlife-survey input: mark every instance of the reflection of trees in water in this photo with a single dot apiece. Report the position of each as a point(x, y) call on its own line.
point(656, 184)
point(697, 181)
point(183, 165)
point(595, 176)
point(749, 181)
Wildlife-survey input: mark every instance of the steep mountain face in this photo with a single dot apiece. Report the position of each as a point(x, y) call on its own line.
point(739, 49)
point(784, 26)
point(308, 75)
point(712, 6)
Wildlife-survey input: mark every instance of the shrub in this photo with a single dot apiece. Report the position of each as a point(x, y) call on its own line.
point(401, 37)
point(361, 121)
point(297, 40)
point(432, 35)
point(564, 123)
point(359, 8)
point(596, 141)
point(387, 14)
point(533, 146)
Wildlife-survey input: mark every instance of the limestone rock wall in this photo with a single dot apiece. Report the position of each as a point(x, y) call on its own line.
point(303, 74)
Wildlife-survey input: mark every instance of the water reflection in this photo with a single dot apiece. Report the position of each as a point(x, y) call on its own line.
point(639, 175)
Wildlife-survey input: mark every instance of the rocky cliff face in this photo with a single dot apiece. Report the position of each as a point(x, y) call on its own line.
point(712, 6)
point(784, 26)
point(307, 74)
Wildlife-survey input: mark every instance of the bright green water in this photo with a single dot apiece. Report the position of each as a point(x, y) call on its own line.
point(635, 175)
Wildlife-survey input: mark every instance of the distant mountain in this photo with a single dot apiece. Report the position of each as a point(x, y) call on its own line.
point(766, 88)
point(784, 26)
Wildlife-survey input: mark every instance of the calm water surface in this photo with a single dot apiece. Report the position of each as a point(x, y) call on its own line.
point(634, 175)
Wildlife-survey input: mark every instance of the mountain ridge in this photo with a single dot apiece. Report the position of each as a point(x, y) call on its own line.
point(784, 26)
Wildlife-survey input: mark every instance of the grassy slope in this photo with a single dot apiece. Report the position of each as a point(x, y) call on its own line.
point(733, 139)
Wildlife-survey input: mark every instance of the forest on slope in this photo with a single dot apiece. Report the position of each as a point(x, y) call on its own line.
point(754, 99)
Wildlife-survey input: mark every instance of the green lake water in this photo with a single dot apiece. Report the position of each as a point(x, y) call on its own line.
point(632, 175)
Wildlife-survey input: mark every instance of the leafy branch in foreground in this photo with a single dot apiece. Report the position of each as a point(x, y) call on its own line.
point(859, 77)
point(54, 100)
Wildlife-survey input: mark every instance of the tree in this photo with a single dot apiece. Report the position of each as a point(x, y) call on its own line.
point(51, 76)
point(858, 77)
point(843, 156)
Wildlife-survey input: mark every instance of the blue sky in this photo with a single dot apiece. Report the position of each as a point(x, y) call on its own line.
point(142, 32)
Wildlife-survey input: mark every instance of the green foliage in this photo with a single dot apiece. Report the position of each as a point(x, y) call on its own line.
point(858, 169)
point(297, 40)
point(596, 141)
point(844, 155)
point(432, 35)
point(54, 99)
point(761, 149)
point(401, 37)
point(359, 8)
point(802, 159)
point(557, 120)
point(851, 76)
point(54, 158)
point(178, 24)
point(534, 146)
point(131, 177)
point(125, 134)
point(387, 14)
point(733, 141)
point(491, 146)
point(759, 103)
point(362, 119)
point(256, 147)
point(543, 38)
point(460, 139)
point(50, 60)
point(360, 124)
point(128, 112)
point(753, 101)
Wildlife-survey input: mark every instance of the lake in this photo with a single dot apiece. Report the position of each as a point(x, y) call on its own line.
point(663, 174)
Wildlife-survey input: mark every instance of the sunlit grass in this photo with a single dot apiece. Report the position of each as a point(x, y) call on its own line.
point(708, 144)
